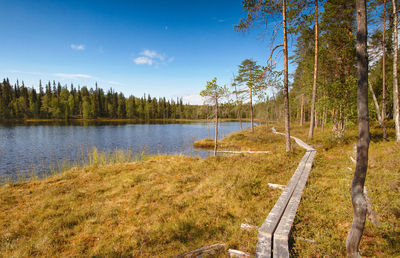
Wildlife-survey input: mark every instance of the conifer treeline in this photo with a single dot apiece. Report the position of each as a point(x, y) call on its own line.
point(53, 101)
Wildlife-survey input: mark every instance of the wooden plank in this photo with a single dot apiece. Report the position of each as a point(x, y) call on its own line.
point(266, 231)
point(282, 233)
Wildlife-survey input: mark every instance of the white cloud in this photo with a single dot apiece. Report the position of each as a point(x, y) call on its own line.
point(152, 54)
point(143, 60)
point(74, 75)
point(151, 57)
point(78, 47)
point(194, 99)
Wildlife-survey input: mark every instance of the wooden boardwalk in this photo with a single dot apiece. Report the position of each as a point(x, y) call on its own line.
point(273, 235)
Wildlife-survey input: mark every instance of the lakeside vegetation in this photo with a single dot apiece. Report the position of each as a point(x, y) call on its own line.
point(166, 205)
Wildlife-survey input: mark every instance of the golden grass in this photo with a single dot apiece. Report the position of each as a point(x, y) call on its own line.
point(166, 205)
point(325, 213)
point(160, 206)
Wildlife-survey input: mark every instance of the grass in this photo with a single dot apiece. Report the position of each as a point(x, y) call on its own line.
point(167, 205)
point(159, 206)
point(325, 212)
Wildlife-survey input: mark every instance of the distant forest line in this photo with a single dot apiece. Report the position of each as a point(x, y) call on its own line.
point(54, 101)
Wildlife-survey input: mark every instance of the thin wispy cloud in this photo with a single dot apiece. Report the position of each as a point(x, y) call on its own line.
point(74, 76)
point(152, 57)
point(78, 47)
point(143, 60)
point(152, 54)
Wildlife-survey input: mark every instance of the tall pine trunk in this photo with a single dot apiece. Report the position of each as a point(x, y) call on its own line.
point(395, 83)
point(216, 128)
point(357, 195)
point(383, 116)
point(286, 81)
point(314, 93)
point(251, 110)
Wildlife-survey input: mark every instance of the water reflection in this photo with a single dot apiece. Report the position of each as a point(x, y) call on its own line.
point(37, 145)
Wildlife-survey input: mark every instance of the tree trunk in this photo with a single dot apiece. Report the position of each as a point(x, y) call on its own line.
point(251, 110)
point(357, 187)
point(216, 128)
point(286, 81)
point(302, 110)
point(383, 116)
point(314, 93)
point(395, 84)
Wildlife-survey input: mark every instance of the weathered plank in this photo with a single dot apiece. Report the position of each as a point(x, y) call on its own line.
point(273, 235)
point(282, 233)
point(266, 231)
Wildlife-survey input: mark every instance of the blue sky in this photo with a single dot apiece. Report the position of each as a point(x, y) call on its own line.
point(162, 48)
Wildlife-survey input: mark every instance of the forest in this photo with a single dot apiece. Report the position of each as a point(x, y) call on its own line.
point(338, 85)
point(58, 102)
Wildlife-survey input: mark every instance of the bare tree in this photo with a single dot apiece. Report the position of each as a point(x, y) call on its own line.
point(357, 194)
point(213, 94)
point(395, 82)
point(383, 116)
point(286, 79)
point(314, 93)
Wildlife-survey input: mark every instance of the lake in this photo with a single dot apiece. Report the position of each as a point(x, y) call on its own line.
point(24, 147)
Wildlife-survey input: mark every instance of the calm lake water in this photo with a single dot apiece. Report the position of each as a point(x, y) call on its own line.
point(37, 146)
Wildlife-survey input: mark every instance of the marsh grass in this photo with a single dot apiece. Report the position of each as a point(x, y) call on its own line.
point(117, 205)
point(325, 212)
point(87, 158)
point(162, 206)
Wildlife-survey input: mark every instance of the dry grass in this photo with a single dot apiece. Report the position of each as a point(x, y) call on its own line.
point(325, 212)
point(166, 205)
point(160, 206)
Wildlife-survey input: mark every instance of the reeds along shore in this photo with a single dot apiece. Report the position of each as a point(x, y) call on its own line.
point(167, 205)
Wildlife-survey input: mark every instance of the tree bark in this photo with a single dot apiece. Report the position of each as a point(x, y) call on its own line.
point(357, 187)
point(216, 128)
point(251, 110)
point(286, 80)
point(383, 116)
point(302, 110)
point(395, 83)
point(314, 93)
